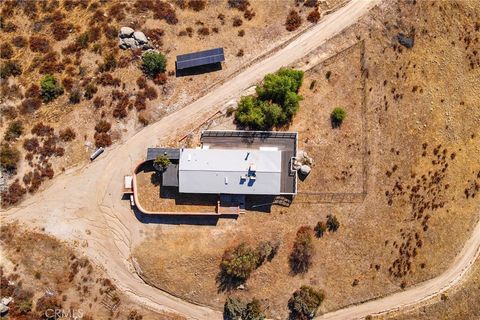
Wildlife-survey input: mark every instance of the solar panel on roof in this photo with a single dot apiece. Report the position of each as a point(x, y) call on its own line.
point(200, 58)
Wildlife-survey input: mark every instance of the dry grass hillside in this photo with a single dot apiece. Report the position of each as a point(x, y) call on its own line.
point(76, 42)
point(54, 276)
point(400, 174)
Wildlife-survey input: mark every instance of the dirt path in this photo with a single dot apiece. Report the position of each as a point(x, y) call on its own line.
point(85, 204)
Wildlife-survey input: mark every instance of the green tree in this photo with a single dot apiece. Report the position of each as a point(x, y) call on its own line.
point(249, 114)
point(253, 311)
point(332, 223)
point(153, 63)
point(161, 162)
point(233, 308)
point(305, 302)
point(239, 262)
point(337, 116)
point(50, 89)
point(303, 250)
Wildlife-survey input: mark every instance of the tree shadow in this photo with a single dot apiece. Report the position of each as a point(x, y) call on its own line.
point(226, 283)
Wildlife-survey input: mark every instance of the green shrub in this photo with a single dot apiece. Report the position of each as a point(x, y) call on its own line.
point(337, 116)
point(50, 89)
point(303, 250)
point(304, 303)
point(10, 68)
point(233, 308)
point(253, 311)
point(276, 103)
point(153, 63)
point(161, 163)
point(332, 223)
point(90, 91)
point(9, 157)
point(236, 309)
point(239, 262)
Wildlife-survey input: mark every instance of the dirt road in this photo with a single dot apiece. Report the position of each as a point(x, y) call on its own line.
point(85, 204)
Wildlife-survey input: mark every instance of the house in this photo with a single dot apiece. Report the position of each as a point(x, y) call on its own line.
point(233, 163)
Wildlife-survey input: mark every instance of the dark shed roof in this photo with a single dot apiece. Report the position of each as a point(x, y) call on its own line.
point(200, 58)
point(172, 154)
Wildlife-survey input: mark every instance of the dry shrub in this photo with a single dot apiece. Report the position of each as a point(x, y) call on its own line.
point(120, 112)
point(203, 31)
point(67, 83)
point(182, 4)
point(102, 140)
point(6, 51)
point(310, 3)
point(294, 21)
point(160, 79)
point(237, 22)
point(241, 33)
point(49, 64)
point(155, 36)
point(314, 16)
point(161, 10)
point(151, 93)
point(33, 91)
point(67, 134)
point(106, 79)
point(49, 147)
point(241, 5)
point(30, 105)
point(143, 119)
point(9, 27)
point(39, 44)
point(303, 250)
point(142, 82)
point(10, 68)
point(240, 53)
point(42, 130)
point(102, 126)
point(197, 5)
point(9, 112)
point(90, 90)
point(123, 62)
point(140, 101)
point(13, 195)
point(116, 11)
point(248, 14)
point(98, 102)
point(19, 41)
point(31, 144)
point(94, 33)
point(61, 30)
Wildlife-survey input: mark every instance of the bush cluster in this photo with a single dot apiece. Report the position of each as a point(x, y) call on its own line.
point(50, 89)
point(236, 308)
point(10, 68)
point(305, 302)
point(337, 116)
point(294, 21)
point(276, 102)
point(14, 131)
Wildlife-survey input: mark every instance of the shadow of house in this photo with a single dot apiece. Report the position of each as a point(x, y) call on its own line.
point(213, 67)
point(199, 220)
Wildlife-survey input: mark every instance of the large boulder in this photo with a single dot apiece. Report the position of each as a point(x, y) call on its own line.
point(127, 43)
point(140, 37)
point(126, 32)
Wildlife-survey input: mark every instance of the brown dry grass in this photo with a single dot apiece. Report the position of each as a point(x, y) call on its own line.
point(40, 262)
point(423, 95)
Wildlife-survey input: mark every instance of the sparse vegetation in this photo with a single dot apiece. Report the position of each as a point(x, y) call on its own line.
point(320, 229)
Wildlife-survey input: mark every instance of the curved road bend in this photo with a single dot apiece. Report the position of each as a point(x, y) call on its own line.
point(85, 205)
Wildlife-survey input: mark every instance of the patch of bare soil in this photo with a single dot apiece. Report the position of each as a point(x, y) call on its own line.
point(420, 173)
point(44, 276)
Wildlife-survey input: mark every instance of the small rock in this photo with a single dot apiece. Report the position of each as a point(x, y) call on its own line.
point(241, 287)
point(126, 32)
point(405, 40)
point(140, 37)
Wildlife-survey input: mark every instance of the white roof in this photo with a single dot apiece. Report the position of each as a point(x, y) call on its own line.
point(230, 171)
